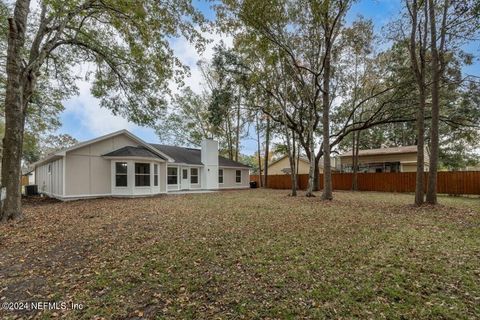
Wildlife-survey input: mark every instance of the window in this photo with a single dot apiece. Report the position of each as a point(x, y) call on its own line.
point(155, 175)
point(238, 176)
point(121, 179)
point(220, 176)
point(185, 174)
point(142, 174)
point(172, 175)
point(49, 168)
point(193, 175)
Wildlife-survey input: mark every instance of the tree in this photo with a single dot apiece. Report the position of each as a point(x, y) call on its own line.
point(187, 122)
point(125, 41)
point(418, 51)
point(451, 24)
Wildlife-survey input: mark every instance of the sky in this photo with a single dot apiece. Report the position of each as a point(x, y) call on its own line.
point(84, 119)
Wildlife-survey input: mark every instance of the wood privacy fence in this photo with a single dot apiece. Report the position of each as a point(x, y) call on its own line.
point(458, 182)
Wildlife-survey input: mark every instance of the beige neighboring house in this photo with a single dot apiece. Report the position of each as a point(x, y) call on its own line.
point(122, 165)
point(282, 166)
point(395, 159)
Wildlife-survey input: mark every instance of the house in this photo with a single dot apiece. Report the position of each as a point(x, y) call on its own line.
point(122, 165)
point(28, 176)
point(282, 165)
point(395, 159)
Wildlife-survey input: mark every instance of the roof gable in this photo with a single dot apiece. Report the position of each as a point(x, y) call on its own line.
point(63, 152)
point(129, 151)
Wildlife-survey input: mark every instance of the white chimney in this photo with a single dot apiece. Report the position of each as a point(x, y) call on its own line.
point(209, 156)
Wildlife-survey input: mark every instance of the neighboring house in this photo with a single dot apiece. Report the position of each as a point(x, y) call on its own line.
point(396, 159)
point(28, 176)
point(121, 164)
point(282, 166)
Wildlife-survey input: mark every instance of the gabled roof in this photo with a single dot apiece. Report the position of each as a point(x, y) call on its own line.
point(193, 156)
point(180, 154)
point(61, 153)
point(382, 151)
point(130, 151)
point(224, 162)
point(303, 159)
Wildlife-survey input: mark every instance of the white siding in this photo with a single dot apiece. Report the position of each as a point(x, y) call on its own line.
point(50, 183)
point(229, 181)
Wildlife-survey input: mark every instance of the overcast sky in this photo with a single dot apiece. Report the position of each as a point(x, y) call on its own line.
point(84, 119)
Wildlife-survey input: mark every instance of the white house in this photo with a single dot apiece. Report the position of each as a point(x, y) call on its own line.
point(121, 164)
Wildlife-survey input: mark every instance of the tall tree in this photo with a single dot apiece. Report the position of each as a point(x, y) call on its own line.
point(418, 61)
point(461, 22)
point(127, 43)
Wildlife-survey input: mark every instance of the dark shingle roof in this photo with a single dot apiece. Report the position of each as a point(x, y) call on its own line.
point(224, 162)
point(193, 156)
point(179, 154)
point(130, 151)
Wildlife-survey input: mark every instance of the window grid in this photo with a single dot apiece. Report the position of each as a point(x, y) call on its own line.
point(142, 174)
point(194, 175)
point(121, 174)
point(172, 175)
point(220, 176)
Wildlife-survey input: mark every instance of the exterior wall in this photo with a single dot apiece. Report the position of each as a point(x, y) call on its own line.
point(131, 189)
point(51, 183)
point(408, 161)
point(188, 185)
point(276, 168)
point(87, 173)
point(399, 157)
point(229, 179)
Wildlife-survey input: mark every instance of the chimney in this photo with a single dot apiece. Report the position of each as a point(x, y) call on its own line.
point(209, 157)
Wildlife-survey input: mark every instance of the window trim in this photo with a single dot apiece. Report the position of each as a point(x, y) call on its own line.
point(237, 176)
point(195, 175)
point(121, 174)
point(223, 179)
point(170, 175)
point(143, 174)
point(155, 174)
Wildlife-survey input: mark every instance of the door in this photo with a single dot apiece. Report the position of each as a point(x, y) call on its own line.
point(185, 180)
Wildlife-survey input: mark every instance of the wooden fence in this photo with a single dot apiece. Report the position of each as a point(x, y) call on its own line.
point(458, 182)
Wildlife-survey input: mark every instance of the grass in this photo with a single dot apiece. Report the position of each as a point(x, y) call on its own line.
point(247, 254)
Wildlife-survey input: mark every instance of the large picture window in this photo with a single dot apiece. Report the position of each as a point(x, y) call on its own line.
point(121, 178)
point(155, 175)
point(142, 174)
point(194, 175)
point(220, 176)
point(172, 175)
point(238, 176)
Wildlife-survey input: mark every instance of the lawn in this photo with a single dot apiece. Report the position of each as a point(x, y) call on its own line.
point(246, 254)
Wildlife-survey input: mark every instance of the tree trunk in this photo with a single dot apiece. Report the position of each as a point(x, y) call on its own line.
point(433, 167)
point(327, 170)
point(418, 68)
point(237, 133)
point(291, 159)
point(356, 149)
point(267, 150)
point(259, 153)
point(420, 176)
point(15, 108)
point(311, 172)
